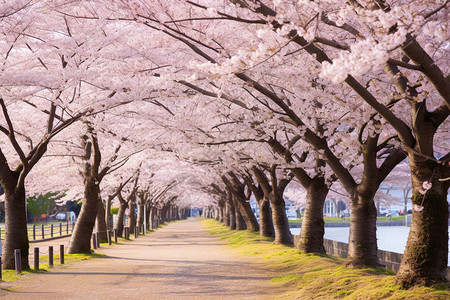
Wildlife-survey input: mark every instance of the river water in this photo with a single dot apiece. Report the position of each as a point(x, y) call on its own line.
point(390, 238)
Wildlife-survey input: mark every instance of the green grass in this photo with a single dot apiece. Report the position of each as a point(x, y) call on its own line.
point(310, 276)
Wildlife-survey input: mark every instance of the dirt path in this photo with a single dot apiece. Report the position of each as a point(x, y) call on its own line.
point(179, 261)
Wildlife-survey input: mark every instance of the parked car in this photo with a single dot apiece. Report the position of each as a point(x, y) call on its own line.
point(60, 216)
point(384, 212)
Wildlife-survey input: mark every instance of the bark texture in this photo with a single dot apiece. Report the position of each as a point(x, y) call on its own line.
point(237, 188)
point(80, 241)
point(312, 231)
point(283, 233)
point(231, 211)
point(266, 227)
point(240, 223)
point(274, 192)
point(131, 215)
point(362, 244)
point(426, 255)
point(120, 216)
point(16, 235)
point(101, 222)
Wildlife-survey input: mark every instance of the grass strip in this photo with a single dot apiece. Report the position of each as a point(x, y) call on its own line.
point(311, 276)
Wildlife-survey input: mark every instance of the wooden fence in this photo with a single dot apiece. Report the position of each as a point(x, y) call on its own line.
point(46, 231)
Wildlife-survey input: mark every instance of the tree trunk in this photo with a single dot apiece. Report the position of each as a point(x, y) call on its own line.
point(312, 231)
point(232, 212)
point(108, 216)
point(120, 216)
point(247, 213)
point(162, 215)
point(280, 221)
point(140, 216)
point(221, 213)
point(425, 258)
point(16, 235)
point(131, 215)
point(81, 236)
point(266, 228)
point(101, 222)
point(226, 214)
point(362, 244)
point(148, 209)
point(240, 223)
point(152, 217)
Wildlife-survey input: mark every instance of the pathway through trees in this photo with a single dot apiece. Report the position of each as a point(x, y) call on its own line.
point(179, 261)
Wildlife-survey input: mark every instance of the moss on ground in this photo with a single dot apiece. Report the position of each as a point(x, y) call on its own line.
point(310, 276)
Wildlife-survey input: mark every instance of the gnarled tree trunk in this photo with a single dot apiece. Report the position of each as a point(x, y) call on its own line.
point(283, 233)
point(231, 211)
point(120, 216)
point(226, 214)
point(240, 223)
point(101, 222)
point(80, 241)
point(240, 200)
point(247, 214)
point(131, 215)
point(108, 216)
point(426, 255)
point(266, 227)
point(16, 235)
point(362, 245)
point(140, 215)
point(312, 231)
point(274, 193)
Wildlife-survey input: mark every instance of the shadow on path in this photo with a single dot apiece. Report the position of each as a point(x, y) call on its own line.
point(178, 261)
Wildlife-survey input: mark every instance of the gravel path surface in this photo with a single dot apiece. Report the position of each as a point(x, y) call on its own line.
point(179, 261)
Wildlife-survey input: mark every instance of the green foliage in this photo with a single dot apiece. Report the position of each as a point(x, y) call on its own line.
point(41, 204)
point(114, 210)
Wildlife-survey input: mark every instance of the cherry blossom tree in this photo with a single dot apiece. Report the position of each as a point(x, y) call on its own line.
point(230, 93)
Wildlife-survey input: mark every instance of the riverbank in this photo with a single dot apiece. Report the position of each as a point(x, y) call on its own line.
point(336, 222)
point(308, 276)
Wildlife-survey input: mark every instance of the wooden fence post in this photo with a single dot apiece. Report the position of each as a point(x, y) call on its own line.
point(51, 228)
point(36, 258)
point(43, 231)
point(18, 261)
point(60, 229)
point(115, 235)
point(50, 256)
point(94, 241)
point(34, 231)
point(61, 254)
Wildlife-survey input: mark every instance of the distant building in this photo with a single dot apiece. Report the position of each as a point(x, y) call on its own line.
point(329, 208)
